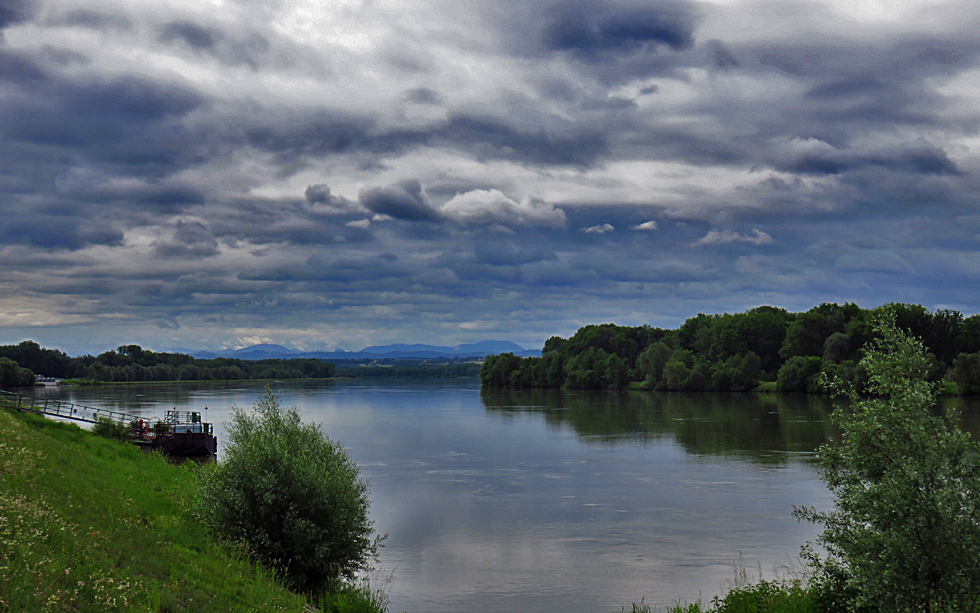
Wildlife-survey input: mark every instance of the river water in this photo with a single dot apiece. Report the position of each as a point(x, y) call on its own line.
point(550, 501)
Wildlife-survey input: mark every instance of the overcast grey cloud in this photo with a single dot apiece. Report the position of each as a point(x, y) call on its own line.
point(345, 174)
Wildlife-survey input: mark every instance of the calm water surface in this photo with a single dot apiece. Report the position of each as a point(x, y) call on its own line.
point(548, 501)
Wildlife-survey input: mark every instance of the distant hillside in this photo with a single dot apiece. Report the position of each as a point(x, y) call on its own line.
point(397, 351)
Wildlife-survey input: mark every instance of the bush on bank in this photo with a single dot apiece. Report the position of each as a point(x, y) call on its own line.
point(292, 496)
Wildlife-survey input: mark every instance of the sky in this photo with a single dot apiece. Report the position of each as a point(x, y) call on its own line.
point(337, 174)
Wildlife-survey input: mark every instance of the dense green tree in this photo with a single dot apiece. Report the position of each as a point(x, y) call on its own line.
point(293, 495)
point(617, 372)
point(611, 339)
point(588, 370)
point(738, 373)
point(497, 369)
point(800, 374)
point(650, 364)
point(966, 373)
point(836, 347)
point(689, 335)
point(968, 337)
point(904, 533)
point(45, 362)
point(553, 370)
point(555, 343)
point(942, 336)
point(675, 376)
point(12, 375)
point(764, 329)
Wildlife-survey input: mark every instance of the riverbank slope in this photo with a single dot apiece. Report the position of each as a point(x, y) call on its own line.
point(93, 525)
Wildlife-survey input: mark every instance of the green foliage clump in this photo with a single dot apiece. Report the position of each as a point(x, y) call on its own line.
point(12, 375)
point(966, 373)
point(354, 598)
point(132, 363)
point(761, 597)
point(800, 374)
point(292, 496)
point(904, 533)
point(111, 429)
point(738, 352)
point(768, 597)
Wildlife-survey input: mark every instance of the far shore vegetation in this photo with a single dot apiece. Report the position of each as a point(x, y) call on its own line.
point(131, 364)
point(765, 349)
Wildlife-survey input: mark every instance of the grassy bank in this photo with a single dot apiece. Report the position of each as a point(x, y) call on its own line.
point(88, 524)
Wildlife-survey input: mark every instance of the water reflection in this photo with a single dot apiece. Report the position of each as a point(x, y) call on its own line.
point(760, 427)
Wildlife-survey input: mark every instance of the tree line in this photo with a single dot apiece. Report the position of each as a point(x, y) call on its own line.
point(766, 348)
point(133, 363)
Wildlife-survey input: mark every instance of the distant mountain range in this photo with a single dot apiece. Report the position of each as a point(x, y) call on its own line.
point(472, 350)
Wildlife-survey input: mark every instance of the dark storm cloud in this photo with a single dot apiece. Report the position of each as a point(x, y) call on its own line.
point(50, 232)
point(170, 197)
point(190, 34)
point(486, 137)
point(496, 139)
point(403, 201)
point(190, 240)
point(596, 27)
point(328, 269)
point(924, 160)
point(507, 253)
point(91, 19)
point(722, 56)
point(247, 47)
point(318, 136)
point(855, 88)
point(18, 69)
point(15, 11)
point(123, 121)
point(423, 95)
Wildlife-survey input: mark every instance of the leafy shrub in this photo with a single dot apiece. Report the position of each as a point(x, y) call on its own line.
point(966, 373)
point(767, 597)
point(903, 535)
point(292, 496)
point(161, 428)
point(111, 429)
point(799, 374)
point(12, 375)
point(354, 598)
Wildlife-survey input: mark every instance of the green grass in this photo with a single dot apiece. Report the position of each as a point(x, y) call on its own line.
point(90, 524)
point(762, 597)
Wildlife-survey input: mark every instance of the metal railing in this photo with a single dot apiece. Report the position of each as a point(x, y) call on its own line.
point(60, 408)
point(186, 420)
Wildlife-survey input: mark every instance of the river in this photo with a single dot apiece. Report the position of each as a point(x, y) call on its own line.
point(550, 501)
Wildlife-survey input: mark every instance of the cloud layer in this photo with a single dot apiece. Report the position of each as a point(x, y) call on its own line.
point(350, 174)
